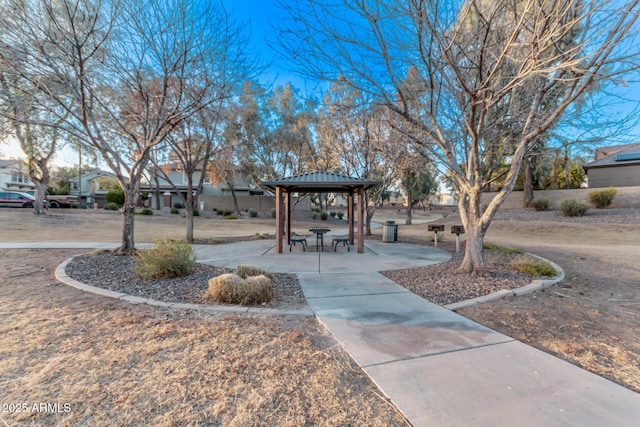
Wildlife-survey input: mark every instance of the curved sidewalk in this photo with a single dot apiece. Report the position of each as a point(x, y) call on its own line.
point(437, 367)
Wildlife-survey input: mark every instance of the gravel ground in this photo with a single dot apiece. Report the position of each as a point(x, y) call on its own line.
point(438, 283)
point(116, 273)
point(441, 284)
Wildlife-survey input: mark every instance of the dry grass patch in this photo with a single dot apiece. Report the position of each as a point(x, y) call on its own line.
point(117, 364)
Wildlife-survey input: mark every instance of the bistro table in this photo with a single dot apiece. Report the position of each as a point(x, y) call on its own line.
point(320, 232)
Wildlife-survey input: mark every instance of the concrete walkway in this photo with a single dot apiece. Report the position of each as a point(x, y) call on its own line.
point(438, 368)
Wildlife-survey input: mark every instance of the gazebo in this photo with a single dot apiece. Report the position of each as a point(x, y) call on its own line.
point(318, 182)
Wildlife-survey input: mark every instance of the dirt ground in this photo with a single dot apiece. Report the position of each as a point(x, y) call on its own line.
point(592, 318)
point(114, 363)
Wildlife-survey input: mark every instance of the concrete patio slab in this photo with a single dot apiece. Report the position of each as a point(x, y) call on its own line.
point(504, 385)
point(377, 329)
point(347, 284)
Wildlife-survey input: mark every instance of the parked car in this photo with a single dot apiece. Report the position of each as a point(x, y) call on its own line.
point(62, 201)
point(15, 199)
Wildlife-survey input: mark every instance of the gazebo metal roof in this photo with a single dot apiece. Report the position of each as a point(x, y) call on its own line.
point(319, 182)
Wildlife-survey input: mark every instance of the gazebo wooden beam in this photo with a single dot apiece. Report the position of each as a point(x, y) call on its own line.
point(279, 220)
point(350, 213)
point(287, 203)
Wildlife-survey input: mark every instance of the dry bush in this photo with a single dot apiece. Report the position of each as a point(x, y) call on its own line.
point(168, 258)
point(531, 267)
point(573, 207)
point(233, 289)
point(245, 271)
point(602, 198)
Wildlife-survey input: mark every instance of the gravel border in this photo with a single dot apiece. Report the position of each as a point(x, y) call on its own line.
point(115, 273)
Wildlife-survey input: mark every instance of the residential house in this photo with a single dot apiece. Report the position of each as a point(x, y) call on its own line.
point(615, 166)
point(172, 194)
point(14, 176)
point(92, 188)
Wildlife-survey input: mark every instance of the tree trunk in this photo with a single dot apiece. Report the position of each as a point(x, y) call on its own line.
point(527, 182)
point(236, 206)
point(409, 218)
point(188, 207)
point(41, 181)
point(156, 191)
point(127, 246)
point(567, 170)
point(475, 227)
point(473, 260)
point(40, 195)
point(369, 211)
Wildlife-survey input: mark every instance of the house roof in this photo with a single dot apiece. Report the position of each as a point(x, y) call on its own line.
point(97, 174)
point(10, 162)
point(320, 181)
point(617, 156)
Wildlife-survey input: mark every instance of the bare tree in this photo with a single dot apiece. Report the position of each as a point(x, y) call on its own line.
point(484, 67)
point(126, 72)
point(357, 135)
point(271, 132)
point(191, 145)
point(39, 143)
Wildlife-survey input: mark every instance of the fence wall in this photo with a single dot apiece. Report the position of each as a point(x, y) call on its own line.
point(627, 197)
point(263, 204)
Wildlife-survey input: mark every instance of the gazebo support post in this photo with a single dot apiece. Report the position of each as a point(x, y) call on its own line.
point(350, 216)
point(360, 220)
point(279, 220)
point(287, 218)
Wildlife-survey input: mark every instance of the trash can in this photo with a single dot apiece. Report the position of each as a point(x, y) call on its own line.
point(389, 231)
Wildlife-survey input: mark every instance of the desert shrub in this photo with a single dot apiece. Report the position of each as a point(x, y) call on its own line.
point(340, 215)
point(253, 213)
point(115, 196)
point(245, 271)
point(174, 211)
point(273, 212)
point(225, 213)
point(145, 211)
point(178, 205)
point(333, 214)
point(317, 210)
point(167, 258)
point(602, 198)
point(233, 289)
point(111, 206)
point(533, 267)
point(541, 203)
point(573, 207)
point(196, 212)
point(324, 215)
point(230, 216)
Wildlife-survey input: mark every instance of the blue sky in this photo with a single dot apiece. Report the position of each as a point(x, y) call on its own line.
point(261, 16)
